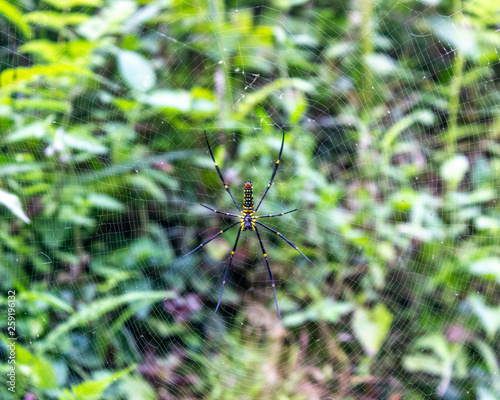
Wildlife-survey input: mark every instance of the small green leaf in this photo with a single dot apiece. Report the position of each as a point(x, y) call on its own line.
point(12, 202)
point(39, 370)
point(14, 15)
point(454, 170)
point(55, 20)
point(171, 99)
point(489, 316)
point(371, 327)
point(92, 390)
point(488, 267)
point(80, 140)
point(105, 202)
point(380, 63)
point(95, 310)
point(136, 71)
point(65, 4)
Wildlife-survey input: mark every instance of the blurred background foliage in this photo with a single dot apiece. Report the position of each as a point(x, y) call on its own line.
point(391, 157)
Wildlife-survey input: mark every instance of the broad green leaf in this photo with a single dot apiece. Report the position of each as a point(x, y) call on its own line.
point(488, 267)
point(36, 367)
point(79, 140)
point(251, 100)
point(172, 99)
point(47, 298)
point(371, 327)
point(454, 170)
point(139, 386)
point(489, 316)
point(109, 21)
point(92, 390)
point(325, 310)
point(422, 116)
point(442, 359)
point(136, 71)
point(55, 20)
point(14, 15)
point(12, 76)
point(66, 4)
point(105, 202)
point(456, 36)
point(34, 130)
point(12, 202)
point(380, 64)
point(97, 309)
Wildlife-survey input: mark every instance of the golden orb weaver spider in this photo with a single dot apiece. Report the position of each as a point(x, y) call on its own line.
point(247, 221)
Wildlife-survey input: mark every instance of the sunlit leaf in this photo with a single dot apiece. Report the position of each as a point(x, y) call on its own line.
point(136, 71)
point(93, 389)
point(371, 327)
point(12, 202)
point(172, 99)
point(66, 4)
point(489, 316)
point(488, 267)
point(14, 15)
point(97, 309)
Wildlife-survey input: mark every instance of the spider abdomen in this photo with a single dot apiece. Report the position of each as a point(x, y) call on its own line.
point(248, 198)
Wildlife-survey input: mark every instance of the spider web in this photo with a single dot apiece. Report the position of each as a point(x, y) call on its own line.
point(390, 157)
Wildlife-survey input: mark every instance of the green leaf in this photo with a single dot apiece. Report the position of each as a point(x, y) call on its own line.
point(47, 298)
point(488, 267)
point(324, 310)
point(422, 116)
point(454, 170)
point(172, 99)
point(136, 71)
point(92, 390)
point(489, 316)
point(457, 36)
point(97, 309)
point(14, 15)
point(381, 64)
point(65, 4)
point(12, 202)
point(105, 202)
point(39, 370)
point(371, 327)
point(55, 20)
point(80, 140)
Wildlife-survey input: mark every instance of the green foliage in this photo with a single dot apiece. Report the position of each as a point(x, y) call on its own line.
point(391, 156)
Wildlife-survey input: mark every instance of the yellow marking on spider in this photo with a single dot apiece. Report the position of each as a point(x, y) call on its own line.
point(221, 231)
point(216, 164)
point(269, 185)
point(225, 186)
point(277, 162)
point(277, 233)
point(273, 284)
point(232, 252)
point(282, 213)
point(265, 255)
point(223, 282)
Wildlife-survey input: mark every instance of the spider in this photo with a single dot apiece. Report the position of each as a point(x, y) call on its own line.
point(247, 221)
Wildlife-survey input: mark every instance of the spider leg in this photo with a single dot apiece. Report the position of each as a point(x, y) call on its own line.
point(285, 239)
point(274, 215)
point(212, 238)
point(227, 269)
point(268, 270)
point(274, 171)
point(221, 212)
point(220, 173)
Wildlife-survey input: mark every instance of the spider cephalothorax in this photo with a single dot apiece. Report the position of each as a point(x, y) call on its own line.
point(247, 220)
